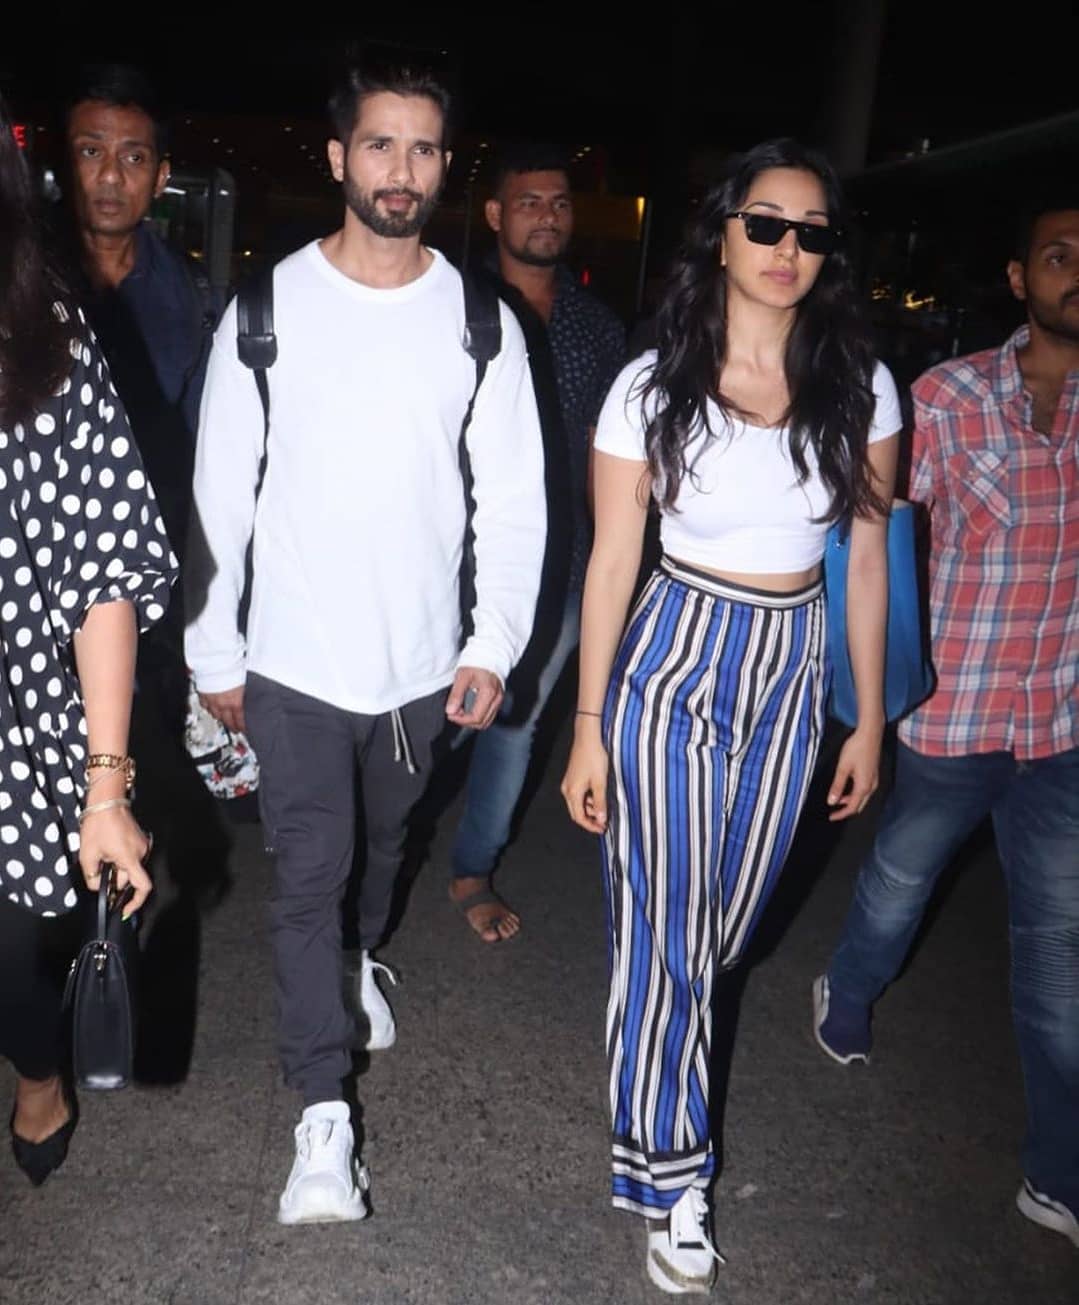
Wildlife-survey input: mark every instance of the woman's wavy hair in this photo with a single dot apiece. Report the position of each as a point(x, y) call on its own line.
point(829, 361)
point(34, 342)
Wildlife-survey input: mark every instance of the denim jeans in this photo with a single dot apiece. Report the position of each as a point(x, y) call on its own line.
point(500, 758)
point(935, 804)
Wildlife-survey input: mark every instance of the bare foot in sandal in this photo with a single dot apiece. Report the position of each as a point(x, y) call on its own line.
point(484, 910)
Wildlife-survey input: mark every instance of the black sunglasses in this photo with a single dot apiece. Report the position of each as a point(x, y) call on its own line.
point(763, 229)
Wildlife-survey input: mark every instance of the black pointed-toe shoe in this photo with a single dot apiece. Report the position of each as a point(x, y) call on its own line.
point(37, 1160)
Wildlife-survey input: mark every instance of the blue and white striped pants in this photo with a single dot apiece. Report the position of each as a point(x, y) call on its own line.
point(712, 720)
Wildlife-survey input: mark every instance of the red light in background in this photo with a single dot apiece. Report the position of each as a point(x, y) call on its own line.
point(18, 130)
point(586, 277)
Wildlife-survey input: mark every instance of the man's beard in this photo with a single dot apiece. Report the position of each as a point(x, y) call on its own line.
point(1056, 320)
point(395, 226)
point(523, 254)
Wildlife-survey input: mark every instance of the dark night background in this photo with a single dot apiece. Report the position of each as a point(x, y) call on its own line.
point(917, 102)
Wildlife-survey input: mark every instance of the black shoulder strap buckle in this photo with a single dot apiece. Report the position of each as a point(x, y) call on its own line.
point(483, 326)
point(255, 338)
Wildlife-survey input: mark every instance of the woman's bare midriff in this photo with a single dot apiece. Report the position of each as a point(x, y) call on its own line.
point(782, 583)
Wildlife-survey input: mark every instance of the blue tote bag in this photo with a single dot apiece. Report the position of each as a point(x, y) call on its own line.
point(908, 672)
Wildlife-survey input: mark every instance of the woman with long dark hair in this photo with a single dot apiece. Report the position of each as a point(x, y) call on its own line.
point(760, 419)
point(83, 561)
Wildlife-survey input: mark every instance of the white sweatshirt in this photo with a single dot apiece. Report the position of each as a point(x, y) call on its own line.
point(359, 525)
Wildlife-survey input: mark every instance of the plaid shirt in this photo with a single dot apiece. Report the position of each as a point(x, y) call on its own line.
point(1004, 607)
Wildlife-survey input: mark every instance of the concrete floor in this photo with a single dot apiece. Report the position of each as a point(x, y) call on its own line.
point(485, 1126)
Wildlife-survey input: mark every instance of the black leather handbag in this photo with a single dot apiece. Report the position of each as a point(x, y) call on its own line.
point(101, 997)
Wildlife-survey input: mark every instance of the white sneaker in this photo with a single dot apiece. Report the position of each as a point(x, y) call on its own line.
point(327, 1183)
point(1050, 1214)
point(376, 1028)
point(681, 1257)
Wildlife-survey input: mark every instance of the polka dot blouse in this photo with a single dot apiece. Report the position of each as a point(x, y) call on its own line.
point(78, 525)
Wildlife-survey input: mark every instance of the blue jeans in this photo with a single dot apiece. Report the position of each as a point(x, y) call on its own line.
point(935, 804)
point(500, 757)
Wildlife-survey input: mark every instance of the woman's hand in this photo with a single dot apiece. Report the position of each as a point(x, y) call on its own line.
point(857, 772)
point(114, 836)
point(584, 785)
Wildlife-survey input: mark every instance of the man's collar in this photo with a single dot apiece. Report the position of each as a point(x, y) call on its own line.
point(564, 280)
point(145, 252)
point(1007, 378)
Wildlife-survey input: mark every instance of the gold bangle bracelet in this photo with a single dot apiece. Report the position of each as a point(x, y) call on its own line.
point(111, 805)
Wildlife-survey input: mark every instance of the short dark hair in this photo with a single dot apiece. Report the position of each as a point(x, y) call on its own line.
point(1024, 235)
point(519, 156)
point(124, 86)
point(377, 76)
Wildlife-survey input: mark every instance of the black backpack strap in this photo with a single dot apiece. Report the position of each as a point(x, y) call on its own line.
point(483, 326)
point(204, 320)
point(482, 342)
point(256, 342)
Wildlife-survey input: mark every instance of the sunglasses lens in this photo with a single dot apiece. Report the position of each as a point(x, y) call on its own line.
point(817, 240)
point(764, 230)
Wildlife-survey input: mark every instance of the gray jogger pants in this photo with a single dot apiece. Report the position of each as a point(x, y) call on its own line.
point(309, 753)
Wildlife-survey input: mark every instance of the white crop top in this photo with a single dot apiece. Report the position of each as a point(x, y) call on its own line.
point(740, 506)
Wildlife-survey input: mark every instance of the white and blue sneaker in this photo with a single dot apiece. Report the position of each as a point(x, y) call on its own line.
point(681, 1256)
point(841, 1029)
point(327, 1183)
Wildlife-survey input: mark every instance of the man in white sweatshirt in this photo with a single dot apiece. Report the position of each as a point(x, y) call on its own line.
point(352, 658)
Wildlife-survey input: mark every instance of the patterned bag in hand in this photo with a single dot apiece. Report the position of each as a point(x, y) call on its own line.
point(226, 762)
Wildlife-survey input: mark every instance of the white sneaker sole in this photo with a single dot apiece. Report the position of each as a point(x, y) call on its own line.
point(348, 1213)
point(820, 1014)
point(1048, 1214)
point(668, 1279)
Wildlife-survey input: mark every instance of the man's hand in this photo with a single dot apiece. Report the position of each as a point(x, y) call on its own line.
point(227, 707)
point(475, 698)
point(856, 773)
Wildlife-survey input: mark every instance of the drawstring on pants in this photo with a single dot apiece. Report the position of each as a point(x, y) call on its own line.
point(402, 747)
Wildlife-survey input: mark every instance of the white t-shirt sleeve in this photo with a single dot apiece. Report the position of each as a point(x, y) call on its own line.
point(505, 451)
point(230, 446)
point(887, 414)
point(621, 425)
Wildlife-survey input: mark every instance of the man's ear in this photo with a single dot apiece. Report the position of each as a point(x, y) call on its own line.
point(492, 211)
point(1017, 279)
point(164, 171)
point(335, 152)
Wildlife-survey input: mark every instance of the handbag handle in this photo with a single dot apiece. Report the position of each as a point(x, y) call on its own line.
point(101, 942)
point(103, 902)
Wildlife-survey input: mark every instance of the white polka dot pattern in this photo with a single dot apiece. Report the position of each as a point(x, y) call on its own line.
point(60, 553)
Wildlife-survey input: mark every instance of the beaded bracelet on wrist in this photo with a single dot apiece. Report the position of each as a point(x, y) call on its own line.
point(113, 763)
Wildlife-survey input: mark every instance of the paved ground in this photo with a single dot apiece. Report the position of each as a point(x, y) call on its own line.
point(486, 1124)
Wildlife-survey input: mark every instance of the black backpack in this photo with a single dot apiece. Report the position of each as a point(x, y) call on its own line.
point(256, 344)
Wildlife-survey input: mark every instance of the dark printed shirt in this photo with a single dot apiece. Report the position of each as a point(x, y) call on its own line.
point(588, 344)
point(155, 330)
